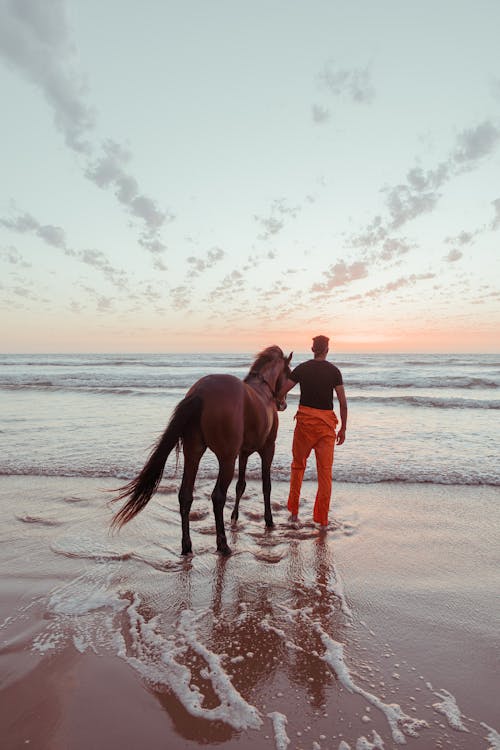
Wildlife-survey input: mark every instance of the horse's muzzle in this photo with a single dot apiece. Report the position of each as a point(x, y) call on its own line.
point(281, 404)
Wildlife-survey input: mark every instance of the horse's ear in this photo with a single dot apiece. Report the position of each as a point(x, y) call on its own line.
point(289, 357)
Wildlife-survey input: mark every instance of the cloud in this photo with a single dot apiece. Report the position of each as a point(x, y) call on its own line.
point(392, 286)
point(55, 237)
point(475, 143)
point(453, 255)
point(25, 223)
point(97, 259)
point(354, 84)
point(320, 114)
point(274, 222)
point(394, 248)
point(35, 40)
point(108, 172)
point(180, 297)
point(374, 233)
point(104, 304)
point(13, 256)
point(20, 291)
point(417, 196)
point(341, 274)
point(212, 257)
point(420, 193)
point(233, 283)
point(463, 238)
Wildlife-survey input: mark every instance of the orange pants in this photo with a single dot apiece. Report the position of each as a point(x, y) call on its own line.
point(314, 429)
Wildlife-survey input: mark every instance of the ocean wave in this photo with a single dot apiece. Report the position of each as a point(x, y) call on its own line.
point(143, 389)
point(151, 361)
point(428, 401)
point(280, 475)
point(448, 381)
point(178, 390)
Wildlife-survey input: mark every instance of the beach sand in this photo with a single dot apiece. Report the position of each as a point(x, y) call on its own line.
point(380, 632)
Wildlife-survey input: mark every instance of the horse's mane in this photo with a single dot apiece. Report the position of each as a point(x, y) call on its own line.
point(265, 356)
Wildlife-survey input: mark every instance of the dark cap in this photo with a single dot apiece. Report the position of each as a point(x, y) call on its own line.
point(320, 344)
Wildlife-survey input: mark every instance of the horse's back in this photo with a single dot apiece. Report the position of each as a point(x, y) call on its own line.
point(222, 413)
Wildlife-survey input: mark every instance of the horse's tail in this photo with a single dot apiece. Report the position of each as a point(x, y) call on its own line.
point(143, 487)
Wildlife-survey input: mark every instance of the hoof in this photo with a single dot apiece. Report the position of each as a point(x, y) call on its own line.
point(224, 551)
point(269, 523)
point(187, 550)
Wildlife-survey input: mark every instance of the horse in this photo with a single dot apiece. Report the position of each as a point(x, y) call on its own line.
point(231, 417)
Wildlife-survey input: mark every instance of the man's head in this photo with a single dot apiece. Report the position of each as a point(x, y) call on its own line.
point(320, 345)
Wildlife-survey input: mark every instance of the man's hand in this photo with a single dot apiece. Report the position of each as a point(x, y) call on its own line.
point(341, 436)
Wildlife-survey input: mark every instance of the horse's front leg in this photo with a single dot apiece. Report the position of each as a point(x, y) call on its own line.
point(267, 455)
point(240, 485)
point(219, 494)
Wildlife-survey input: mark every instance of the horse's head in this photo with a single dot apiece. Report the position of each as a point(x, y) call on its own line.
point(272, 367)
point(284, 375)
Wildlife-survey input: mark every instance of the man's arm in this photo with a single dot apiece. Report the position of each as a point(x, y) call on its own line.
point(288, 385)
point(339, 390)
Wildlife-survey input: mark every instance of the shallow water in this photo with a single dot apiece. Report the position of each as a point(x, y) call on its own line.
point(382, 628)
point(425, 418)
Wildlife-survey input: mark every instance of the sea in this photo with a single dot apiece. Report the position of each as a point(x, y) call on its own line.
point(413, 418)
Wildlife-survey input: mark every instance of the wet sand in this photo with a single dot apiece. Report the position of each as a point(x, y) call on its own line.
point(380, 632)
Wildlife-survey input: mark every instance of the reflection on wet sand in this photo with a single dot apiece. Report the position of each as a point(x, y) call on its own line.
point(253, 633)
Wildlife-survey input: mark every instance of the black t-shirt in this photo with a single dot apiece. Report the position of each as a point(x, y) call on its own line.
point(317, 379)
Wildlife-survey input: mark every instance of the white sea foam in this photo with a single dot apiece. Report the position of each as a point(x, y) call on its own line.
point(47, 641)
point(399, 722)
point(337, 588)
point(362, 743)
point(159, 660)
point(84, 595)
point(266, 626)
point(493, 737)
point(233, 708)
point(448, 706)
point(281, 738)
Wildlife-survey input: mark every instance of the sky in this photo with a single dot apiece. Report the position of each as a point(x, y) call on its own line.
point(227, 175)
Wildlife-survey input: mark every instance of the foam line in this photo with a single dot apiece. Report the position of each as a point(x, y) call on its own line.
point(246, 715)
point(281, 738)
point(450, 709)
point(492, 737)
point(157, 660)
point(397, 719)
point(338, 590)
point(364, 744)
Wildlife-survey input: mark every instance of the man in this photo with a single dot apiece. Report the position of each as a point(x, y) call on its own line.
point(315, 427)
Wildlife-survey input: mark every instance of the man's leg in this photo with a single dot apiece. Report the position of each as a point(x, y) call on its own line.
point(301, 449)
point(324, 449)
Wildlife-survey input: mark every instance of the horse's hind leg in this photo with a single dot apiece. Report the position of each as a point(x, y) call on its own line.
point(240, 485)
point(267, 455)
point(193, 448)
point(226, 471)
